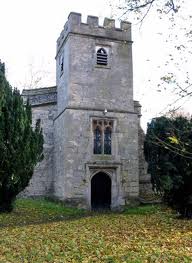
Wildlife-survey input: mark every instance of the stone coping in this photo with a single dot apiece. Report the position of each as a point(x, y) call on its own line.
point(47, 95)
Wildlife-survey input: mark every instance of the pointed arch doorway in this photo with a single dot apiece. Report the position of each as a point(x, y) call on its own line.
point(101, 191)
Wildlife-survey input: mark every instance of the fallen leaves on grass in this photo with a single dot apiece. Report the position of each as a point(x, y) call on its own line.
point(30, 211)
point(110, 237)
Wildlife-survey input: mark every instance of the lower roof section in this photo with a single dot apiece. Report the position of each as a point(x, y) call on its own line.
point(37, 97)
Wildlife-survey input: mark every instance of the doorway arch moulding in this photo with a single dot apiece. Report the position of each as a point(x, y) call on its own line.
point(114, 172)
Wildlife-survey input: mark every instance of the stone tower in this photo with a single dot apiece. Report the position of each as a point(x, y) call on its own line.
point(96, 159)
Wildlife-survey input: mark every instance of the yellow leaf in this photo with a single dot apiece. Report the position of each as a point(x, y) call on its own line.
point(173, 140)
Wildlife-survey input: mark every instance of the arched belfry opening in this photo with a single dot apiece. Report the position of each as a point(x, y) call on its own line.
point(101, 191)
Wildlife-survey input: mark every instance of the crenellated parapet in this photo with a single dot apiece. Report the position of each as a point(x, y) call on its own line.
point(92, 28)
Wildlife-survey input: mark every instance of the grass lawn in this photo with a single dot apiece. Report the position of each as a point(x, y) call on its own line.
point(40, 231)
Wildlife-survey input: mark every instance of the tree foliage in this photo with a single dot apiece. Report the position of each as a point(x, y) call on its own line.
point(141, 8)
point(168, 145)
point(144, 6)
point(21, 146)
point(169, 22)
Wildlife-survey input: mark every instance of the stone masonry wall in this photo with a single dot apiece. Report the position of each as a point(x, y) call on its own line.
point(145, 186)
point(74, 158)
point(43, 108)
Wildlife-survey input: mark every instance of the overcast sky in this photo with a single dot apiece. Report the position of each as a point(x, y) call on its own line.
point(29, 30)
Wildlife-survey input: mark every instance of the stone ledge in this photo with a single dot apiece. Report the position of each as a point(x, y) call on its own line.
point(40, 96)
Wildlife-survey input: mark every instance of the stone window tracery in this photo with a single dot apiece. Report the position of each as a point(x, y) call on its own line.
point(102, 130)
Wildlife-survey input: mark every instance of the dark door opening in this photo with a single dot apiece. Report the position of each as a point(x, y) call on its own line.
point(101, 191)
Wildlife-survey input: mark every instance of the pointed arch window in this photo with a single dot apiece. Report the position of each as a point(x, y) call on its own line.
point(102, 130)
point(97, 140)
point(102, 57)
point(107, 140)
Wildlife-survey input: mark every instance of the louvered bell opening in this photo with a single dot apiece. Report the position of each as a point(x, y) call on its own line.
point(101, 57)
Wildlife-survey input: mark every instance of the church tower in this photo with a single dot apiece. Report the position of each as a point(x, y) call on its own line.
point(96, 126)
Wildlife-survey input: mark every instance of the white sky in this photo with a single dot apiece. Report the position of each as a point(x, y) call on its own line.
point(29, 30)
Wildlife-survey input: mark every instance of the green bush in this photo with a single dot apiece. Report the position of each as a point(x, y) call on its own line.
point(168, 151)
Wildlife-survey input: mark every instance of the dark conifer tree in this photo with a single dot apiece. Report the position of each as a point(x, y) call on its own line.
point(21, 145)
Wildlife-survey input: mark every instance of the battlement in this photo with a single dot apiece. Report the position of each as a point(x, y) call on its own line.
point(92, 28)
